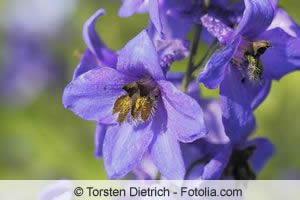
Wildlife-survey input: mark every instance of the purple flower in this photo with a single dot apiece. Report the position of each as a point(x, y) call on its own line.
point(250, 58)
point(145, 111)
point(221, 155)
point(98, 55)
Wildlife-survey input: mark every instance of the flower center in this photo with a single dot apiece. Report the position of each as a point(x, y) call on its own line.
point(139, 103)
point(247, 59)
point(238, 166)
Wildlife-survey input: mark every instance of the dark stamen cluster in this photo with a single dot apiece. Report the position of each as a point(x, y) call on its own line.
point(238, 167)
point(140, 100)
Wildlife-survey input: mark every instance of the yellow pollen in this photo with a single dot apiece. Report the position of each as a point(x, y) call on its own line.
point(142, 108)
point(247, 59)
point(139, 103)
point(122, 106)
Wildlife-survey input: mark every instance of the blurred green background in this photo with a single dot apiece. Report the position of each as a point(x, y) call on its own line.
point(39, 139)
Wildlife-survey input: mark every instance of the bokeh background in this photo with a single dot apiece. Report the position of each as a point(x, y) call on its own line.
point(40, 45)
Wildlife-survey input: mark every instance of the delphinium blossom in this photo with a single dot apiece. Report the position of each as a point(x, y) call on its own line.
point(143, 110)
point(98, 55)
point(250, 57)
point(224, 155)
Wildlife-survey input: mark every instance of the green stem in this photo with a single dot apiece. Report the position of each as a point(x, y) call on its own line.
point(190, 68)
point(210, 50)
